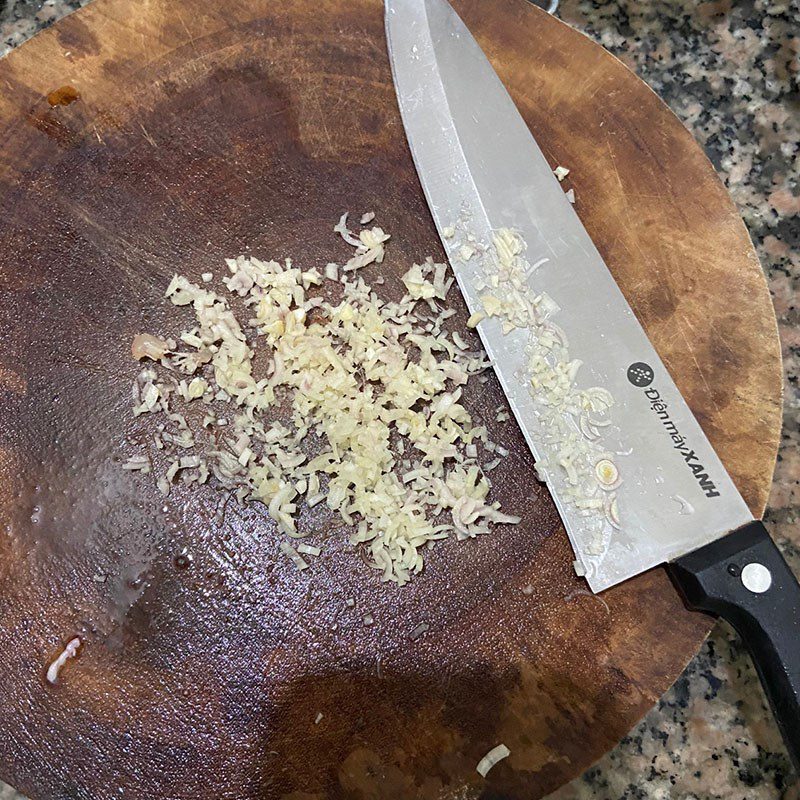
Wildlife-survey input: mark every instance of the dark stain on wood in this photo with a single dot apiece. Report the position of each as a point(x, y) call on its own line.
point(54, 128)
point(78, 39)
point(250, 127)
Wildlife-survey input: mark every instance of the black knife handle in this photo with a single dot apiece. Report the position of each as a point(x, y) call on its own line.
point(729, 578)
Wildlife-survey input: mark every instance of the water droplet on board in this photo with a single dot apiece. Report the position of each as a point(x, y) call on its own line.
point(685, 506)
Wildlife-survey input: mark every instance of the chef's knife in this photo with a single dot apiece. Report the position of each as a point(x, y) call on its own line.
point(661, 493)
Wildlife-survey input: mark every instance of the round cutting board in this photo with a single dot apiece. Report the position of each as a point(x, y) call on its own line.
point(152, 137)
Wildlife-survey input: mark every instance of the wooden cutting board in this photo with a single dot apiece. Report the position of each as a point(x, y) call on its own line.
point(151, 137)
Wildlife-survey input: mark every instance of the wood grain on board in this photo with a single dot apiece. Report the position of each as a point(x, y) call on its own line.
point(145, 137)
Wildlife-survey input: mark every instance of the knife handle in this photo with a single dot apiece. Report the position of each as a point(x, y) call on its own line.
point(743, 578)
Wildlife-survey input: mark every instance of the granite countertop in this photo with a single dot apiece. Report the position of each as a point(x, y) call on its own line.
point(731, 72)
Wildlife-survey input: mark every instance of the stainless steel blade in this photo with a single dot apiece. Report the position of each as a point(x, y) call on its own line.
point(479, 164)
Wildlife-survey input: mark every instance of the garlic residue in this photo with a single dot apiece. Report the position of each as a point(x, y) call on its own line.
point(70, 651)
point(570, 419)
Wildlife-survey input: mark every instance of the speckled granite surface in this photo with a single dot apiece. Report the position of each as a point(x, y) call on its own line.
point(731, 71)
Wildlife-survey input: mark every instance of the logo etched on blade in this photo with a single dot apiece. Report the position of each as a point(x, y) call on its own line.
point(641, 374)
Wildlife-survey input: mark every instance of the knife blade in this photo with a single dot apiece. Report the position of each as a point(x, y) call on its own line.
point(478, 161)
point(643, 485)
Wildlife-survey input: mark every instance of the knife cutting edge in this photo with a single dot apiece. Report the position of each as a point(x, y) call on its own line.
point(638, 484)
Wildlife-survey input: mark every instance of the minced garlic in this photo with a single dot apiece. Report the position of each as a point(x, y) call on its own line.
point(375, 428)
